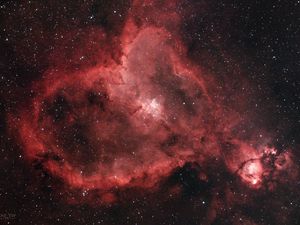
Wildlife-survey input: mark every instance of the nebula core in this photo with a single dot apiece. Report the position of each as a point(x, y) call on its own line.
point(127, 114)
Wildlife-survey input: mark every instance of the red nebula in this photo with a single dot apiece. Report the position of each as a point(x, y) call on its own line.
point(123, 125)
point(128, 122)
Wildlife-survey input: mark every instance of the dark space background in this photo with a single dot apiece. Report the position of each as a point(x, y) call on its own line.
point(261, 37)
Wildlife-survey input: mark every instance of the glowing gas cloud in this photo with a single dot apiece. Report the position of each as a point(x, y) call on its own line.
point(142, 110)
